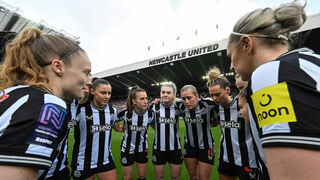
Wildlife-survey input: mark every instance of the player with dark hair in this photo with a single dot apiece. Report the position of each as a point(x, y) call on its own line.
point(237, 157)
point(134, 146)
point(92, 146)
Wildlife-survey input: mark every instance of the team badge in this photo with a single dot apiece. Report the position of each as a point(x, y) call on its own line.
point(154, 158)
point(3, 96)
point(76, 173)
point(124, 160)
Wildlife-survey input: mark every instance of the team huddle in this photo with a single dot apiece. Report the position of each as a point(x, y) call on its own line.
point(270, 130)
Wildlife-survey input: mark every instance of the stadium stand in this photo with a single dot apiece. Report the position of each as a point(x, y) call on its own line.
point(189, 66)
point(12, 21)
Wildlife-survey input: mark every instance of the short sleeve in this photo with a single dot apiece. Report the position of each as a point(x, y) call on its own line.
point(34, 132)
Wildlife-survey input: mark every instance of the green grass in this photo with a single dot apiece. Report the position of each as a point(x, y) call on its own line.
point(115, 148)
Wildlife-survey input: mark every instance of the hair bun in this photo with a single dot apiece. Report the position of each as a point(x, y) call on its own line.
point(291, 16)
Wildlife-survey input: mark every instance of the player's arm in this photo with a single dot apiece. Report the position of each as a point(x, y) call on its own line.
point(119, 127)
point(280, 163)
point(290, 147)
point(120, 117)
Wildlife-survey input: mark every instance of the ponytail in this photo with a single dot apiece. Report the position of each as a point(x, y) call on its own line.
point(28, 53)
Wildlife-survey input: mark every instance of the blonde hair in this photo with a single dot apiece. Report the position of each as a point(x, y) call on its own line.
point(274, 25)
point(191, 88)
point(215, 79)
point(28, 53)
point(173, 87)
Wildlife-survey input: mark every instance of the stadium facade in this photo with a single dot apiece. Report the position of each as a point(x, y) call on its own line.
point(190, 66)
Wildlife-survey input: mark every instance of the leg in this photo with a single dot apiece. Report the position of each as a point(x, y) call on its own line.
point(90, 178)
point(112, 175)
point(204, 170)
point(191, 164)
point(159, 171)
point(175, 171)
point(175, 163)
point(227, 177)
point(127, 172)
point(141, 170)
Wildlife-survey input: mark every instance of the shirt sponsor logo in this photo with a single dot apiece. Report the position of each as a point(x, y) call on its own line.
point(193, 120)
point(273, 105)
point(100, 128)
point(138, 128)
point(72, 123)
point(167, 120)
point(230, 124)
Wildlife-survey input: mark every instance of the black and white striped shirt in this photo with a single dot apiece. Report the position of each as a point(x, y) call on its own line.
point(166, 124)
point(92, 135)
point(31, 124)
point(236, 141)
point(135, 137)
point(61, 160)
point(197, 124)
point(284, 107)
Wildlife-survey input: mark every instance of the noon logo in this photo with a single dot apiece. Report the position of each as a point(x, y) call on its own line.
point(273, 105)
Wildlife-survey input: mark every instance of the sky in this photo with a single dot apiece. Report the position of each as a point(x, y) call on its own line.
point(116, 33)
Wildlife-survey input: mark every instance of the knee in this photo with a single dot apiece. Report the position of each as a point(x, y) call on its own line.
point(139, 177)
point(175, 177)
point(193, 177)
point(159, 177)
point(127, 177)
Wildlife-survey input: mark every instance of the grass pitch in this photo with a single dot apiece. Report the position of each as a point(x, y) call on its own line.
point(115, 148)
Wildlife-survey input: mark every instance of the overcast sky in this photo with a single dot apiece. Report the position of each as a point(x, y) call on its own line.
point(118, 32)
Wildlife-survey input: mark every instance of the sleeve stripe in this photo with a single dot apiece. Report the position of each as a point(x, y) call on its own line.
point(27, 160)
point(291, 139)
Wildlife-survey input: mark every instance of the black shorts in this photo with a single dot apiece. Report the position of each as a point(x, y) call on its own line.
point(233, 170)
point(64, 174)
point(128, 159)
point(162, 157)
point(76, 174)
point(203, 155)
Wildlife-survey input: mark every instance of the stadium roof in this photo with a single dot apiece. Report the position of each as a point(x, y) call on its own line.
point(12, 22)
point(189, 66)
